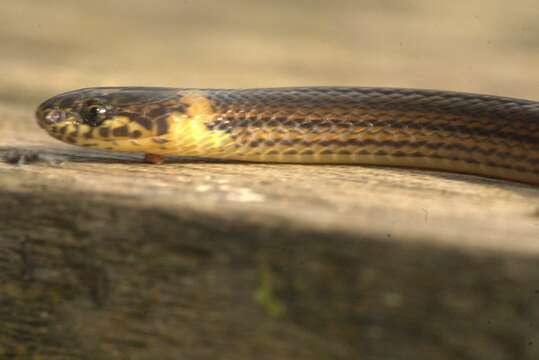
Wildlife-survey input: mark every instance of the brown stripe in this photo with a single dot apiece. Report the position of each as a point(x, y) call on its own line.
point(388, 122)
point(362, 144)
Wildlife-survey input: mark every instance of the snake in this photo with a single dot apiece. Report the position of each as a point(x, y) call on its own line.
point(484, 135)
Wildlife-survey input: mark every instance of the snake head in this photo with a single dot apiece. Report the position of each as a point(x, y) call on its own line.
point(113, 118)
point(70, 111)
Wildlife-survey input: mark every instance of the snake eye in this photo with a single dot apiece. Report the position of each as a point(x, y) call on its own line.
point(94, 113)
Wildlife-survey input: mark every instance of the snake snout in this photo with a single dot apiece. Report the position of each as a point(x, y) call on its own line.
point(47, 114)
point(50, 117)
point(53, 117)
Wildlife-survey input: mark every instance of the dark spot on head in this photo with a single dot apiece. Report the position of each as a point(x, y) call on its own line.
point(72, 138)
point(157, 111)
point(142, 121)
point(136, 134)
point(181, 108)
point(129, 98)
point(162, 126)
point(104, 132)
point(89, 134)
point(120, 131)
point(67, 102)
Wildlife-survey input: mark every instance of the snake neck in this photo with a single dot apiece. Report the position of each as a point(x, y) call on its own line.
point(190, 135)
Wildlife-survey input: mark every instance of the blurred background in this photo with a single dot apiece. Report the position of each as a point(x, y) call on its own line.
point(480, 46)
point(486, 46)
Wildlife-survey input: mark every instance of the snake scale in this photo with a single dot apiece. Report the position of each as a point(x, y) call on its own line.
point(428, 129)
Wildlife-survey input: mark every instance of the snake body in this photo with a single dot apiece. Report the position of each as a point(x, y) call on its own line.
point(429, 129)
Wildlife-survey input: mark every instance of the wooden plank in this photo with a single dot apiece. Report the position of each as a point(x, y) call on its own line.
point(104, 254)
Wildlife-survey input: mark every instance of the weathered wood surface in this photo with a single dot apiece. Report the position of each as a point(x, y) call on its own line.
point(105, 257)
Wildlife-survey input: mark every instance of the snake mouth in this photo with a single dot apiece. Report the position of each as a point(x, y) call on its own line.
point(118, 133)
point(56, 121)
